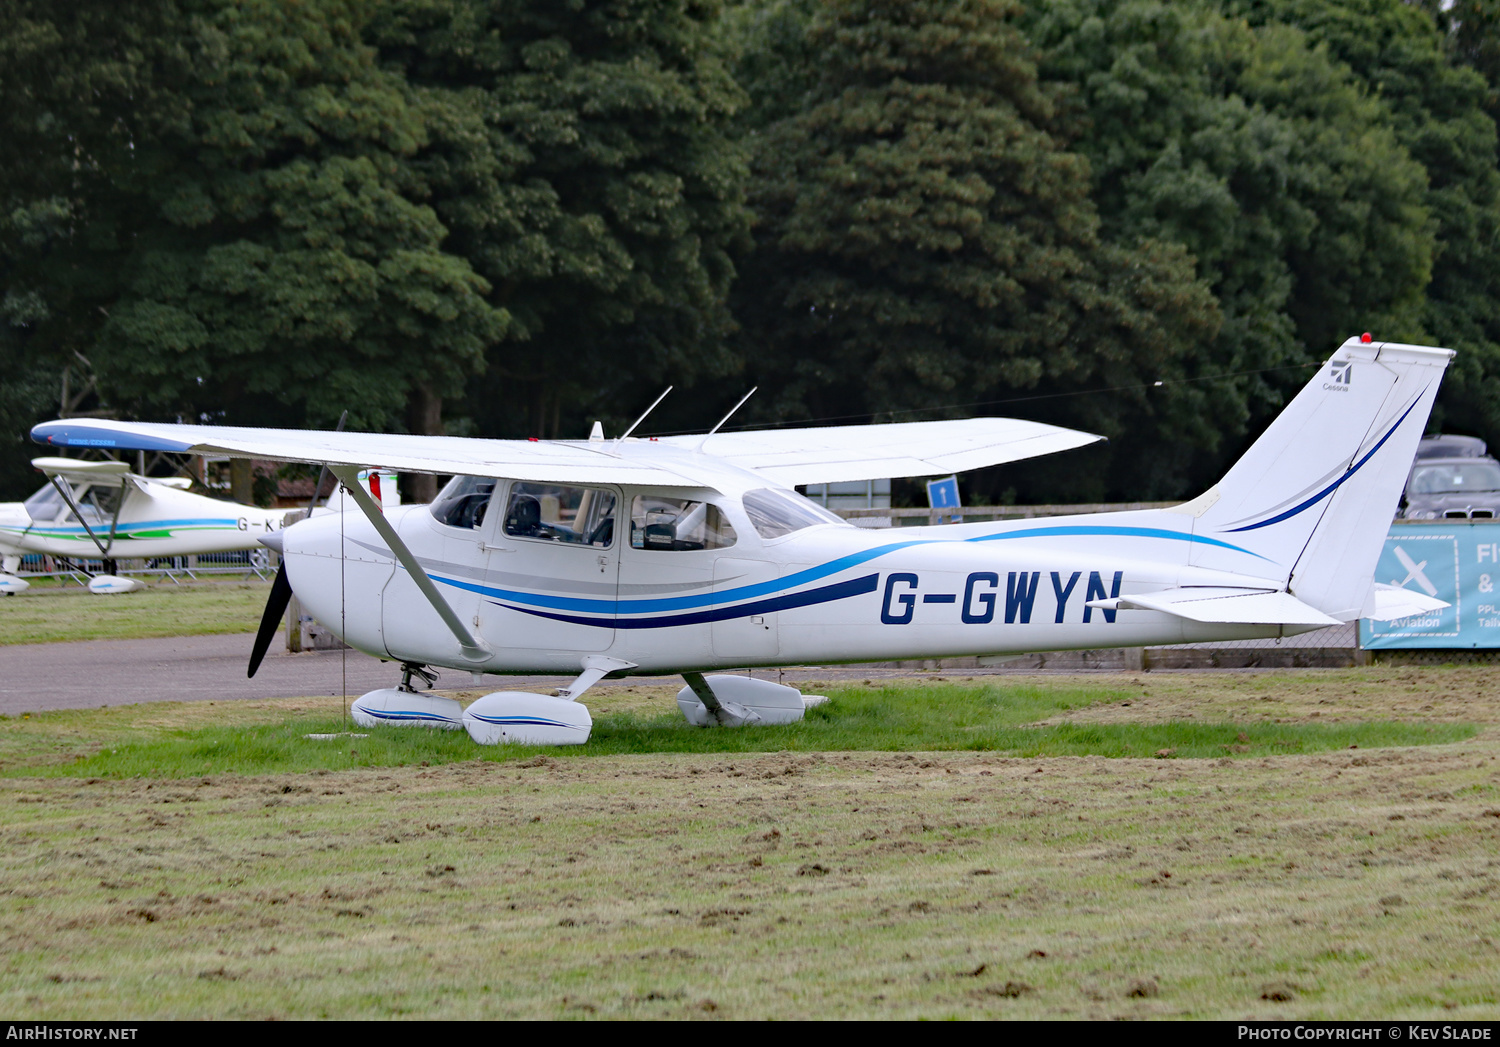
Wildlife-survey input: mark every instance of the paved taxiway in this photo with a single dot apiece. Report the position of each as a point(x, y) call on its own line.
point(91, 673)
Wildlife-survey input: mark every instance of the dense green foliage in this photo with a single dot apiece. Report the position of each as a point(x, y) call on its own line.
point(1441, 111)
point(585, 168)
point(1269, 162)
point(1136, 217)
point(902, 260)
point(253, 239)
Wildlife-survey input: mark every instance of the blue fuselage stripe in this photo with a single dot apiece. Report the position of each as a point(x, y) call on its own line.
point(806, 598)
point(803, 577)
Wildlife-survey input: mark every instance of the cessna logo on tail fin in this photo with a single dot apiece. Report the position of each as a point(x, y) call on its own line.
point(1339, 373)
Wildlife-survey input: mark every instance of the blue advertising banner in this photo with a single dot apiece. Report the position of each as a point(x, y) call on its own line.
point(1453, 560)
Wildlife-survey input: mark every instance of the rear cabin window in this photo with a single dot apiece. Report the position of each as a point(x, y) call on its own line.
point(665, 524)
point(775, 513)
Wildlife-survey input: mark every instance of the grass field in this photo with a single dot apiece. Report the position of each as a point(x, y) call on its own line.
point(53, 614)
point(878, 860)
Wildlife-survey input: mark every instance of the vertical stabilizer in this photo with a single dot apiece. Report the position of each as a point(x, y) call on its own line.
point(1315, 495)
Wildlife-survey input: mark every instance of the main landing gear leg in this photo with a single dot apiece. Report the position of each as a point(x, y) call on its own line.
point(726, 714)
point(410, 669)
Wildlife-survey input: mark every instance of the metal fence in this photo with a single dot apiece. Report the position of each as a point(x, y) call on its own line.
point(244, 563)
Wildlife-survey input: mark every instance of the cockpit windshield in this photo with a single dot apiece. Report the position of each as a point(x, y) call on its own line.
point(46, 505)
point(98, 501)
point(463, 502)
point(775, 513)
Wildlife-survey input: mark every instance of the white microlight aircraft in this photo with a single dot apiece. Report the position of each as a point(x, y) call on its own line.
point(101, 510)
point(611, 558)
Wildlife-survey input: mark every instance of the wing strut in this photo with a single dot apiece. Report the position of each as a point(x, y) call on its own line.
point(114, 521)
point(64, 489)
point(475, 649)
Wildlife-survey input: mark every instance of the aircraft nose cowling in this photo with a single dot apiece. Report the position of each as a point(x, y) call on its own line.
point(271, 540)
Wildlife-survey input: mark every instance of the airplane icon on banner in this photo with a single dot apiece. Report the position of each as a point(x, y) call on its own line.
point(1414, 572)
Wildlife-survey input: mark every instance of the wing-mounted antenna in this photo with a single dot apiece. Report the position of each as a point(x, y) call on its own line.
point(647, 411)
point(726, 418)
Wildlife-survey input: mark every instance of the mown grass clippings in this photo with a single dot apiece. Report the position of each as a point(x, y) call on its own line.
point(788, 884)
point(987, 718)
point(628, 886)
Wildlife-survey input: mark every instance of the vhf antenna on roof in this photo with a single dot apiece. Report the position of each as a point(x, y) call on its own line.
point(726, 418)
point(647, 411)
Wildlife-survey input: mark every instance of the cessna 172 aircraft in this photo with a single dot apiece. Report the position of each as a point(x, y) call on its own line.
point(685, 554)
point(101, 510)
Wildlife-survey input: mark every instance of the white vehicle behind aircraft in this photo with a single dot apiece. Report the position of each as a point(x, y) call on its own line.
point(103, 511)
point(688, 554)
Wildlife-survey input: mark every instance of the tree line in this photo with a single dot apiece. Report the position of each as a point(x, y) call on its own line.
point(510, 217)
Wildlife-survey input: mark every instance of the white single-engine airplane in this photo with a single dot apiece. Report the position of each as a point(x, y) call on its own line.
point(103, 511)
point(685, 554)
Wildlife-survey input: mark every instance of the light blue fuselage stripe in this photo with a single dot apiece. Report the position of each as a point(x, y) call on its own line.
point(126, 528)
point(811, 574)
point(1118, 532)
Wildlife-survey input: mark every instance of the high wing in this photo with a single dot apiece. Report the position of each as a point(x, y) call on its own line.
point(76, 469)
point(871, 452)
point(544, 461)
point(788, 456)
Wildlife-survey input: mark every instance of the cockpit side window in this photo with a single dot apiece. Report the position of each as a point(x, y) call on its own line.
point(102, 499)
point(462, 503)
point(776, 513)
point(663, 523)
point(558, 513)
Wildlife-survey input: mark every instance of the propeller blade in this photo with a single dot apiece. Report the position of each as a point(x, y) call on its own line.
point(281, 595)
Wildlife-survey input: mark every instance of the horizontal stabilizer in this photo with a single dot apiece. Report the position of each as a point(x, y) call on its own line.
point(871, 452)
point(1223, 606)
point(1387, 603)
